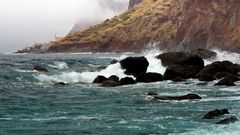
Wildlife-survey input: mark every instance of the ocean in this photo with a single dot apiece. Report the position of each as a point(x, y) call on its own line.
point(30, 103)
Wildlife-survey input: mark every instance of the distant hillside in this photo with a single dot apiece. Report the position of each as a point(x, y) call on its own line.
point(171, 24)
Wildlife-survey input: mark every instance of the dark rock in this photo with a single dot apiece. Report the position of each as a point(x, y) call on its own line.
point(149, 77)
point(216, 67)
point(215, 113)
point(180, 71)
point(206, 77)
point(178, 79)
point(110, 83)
point(134, 65)
point(185, 97)
point(114, 78)
point(100, 79)
point(180, 58)
point(231, 67)
point(40, 69)
point(114, 61)
point(226, 82)
point(204, 53)
point(234, 78)
point(127, 81)
point(152, 93)
point(228, 120)
point(220, 75)
point(172, 58)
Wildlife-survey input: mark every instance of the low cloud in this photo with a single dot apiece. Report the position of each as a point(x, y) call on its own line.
point(24, 22)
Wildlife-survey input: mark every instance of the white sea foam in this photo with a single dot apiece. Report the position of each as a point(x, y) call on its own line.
point(24, 71)
point(155, 65)
point(85, 77)
point(59, 65)
point(224, 55)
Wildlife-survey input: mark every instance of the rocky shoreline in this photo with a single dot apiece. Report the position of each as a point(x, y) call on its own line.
point(180, 66)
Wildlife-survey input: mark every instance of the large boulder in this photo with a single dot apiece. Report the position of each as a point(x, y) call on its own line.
point(134, 65)
point(149, 77)
point(184, 97)
point(204, 53)
point(180, 58)
point(127, 81)
point(172, 58)
point(216, 67)
point(180, 71)
point(39, 68)
point(215, 113)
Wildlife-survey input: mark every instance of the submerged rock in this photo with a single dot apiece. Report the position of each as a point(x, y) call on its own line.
point(149, 77)
point(184, 97)
point(134, 65)
point(39, 68)
point(100, 79)
point(215, 113)
point(127, 81)
point(228, 120)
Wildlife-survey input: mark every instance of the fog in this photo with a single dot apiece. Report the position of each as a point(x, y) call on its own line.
point(24, 22)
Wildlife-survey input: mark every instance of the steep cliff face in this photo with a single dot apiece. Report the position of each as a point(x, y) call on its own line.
point(133, 3)
point(171, 24)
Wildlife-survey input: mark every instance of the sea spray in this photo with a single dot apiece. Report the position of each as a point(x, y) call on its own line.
point(223, 56)
point(84, 77)
point(155, 65)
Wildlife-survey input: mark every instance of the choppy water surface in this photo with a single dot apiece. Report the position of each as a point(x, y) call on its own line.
point(30, 103)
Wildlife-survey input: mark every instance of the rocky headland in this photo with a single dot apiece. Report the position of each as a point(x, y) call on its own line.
point(174, 25)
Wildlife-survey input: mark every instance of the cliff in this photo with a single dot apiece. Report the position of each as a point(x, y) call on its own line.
point(171, 24)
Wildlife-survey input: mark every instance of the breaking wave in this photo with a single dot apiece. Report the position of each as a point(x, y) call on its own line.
point(155, 65)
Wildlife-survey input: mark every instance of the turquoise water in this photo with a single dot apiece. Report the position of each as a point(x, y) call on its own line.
point(30, 103)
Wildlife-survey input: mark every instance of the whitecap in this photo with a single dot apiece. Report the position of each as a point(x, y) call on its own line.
point(59, 65)
point(84, 77)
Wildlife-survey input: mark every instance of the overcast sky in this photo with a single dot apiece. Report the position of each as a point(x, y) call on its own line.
point(23, 22)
